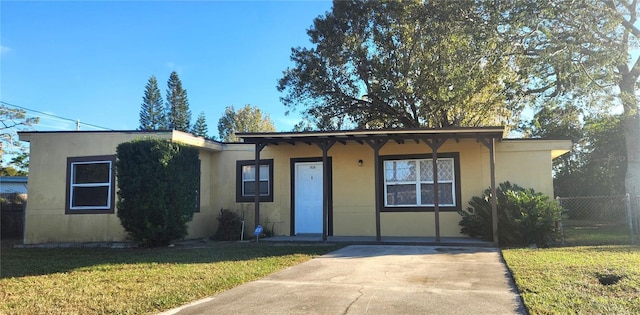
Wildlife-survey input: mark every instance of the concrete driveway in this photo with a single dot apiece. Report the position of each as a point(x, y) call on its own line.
point(378, 279)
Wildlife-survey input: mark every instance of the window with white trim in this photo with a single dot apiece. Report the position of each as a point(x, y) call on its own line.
point(409, 183)
point(246, 180)
point(249, 180)
point(90, 184)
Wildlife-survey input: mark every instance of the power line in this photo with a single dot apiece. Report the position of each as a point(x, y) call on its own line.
point(62, 123)
point(52, 115)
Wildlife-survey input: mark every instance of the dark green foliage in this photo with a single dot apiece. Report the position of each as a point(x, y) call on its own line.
point(158, 183)
point(524, 216)
point(582, 50)
point(200, 128)
point(229, 226)
point(597, 165)
point(179, 115)
point(392, 64)
point(152, 116)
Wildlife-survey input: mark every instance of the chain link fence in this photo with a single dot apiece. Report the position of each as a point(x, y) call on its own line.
point(599, 220)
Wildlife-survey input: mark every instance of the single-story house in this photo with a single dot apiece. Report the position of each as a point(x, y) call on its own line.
point(393, 182)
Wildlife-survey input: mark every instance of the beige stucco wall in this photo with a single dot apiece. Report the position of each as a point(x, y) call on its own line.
point(204, 222)
point(45, 218)
point(354, 212)
point(274, 215)
point(527, 163)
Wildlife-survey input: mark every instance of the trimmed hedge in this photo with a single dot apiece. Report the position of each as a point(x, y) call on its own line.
point(158, 184)
point(524, 216)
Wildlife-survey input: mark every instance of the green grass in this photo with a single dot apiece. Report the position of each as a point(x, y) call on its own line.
point(590, 233)
point(134, 281)
point(566, 280)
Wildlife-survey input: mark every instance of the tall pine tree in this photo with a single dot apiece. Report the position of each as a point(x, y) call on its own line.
point(179, 115)
point(152, 116)
point(200, 127)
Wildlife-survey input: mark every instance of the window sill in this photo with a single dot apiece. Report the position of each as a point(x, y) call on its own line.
point(89, 211)
point(419, 209)
point(252, 199)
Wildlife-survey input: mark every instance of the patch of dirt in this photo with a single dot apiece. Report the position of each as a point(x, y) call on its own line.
point(609, 278)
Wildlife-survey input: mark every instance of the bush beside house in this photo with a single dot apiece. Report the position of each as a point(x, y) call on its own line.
point(524, 216)
point(158, 185)
point(229, 227)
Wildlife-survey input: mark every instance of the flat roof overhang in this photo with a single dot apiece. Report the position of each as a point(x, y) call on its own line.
point(360, 136)
point(173, 135)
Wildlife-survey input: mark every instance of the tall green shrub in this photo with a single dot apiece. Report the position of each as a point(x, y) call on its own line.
point(158, 183)
point(524, 216)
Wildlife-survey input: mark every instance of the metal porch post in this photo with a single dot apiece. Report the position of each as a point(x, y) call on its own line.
point(494, 202)
point(256, 199)
point(325, 146)
point(491, 145)
point(435, 145)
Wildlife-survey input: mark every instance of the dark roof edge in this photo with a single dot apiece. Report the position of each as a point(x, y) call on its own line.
point(110, 131)
point(534, 139)
point(408, 130)
point(96, 131)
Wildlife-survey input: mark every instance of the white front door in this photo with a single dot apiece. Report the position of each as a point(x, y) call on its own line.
point(308, 197)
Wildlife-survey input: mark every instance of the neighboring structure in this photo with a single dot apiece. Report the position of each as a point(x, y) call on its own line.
point(379, 182)
point(13, 185)
point(13, 195)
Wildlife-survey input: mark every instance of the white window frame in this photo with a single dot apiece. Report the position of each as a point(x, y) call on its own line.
point(418, 182)
point(263, 172)
point(73, 185)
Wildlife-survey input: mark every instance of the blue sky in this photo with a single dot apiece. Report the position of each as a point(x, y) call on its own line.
point(91, 60)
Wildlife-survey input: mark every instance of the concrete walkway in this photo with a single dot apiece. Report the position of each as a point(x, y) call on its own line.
point(377, 279)
point(385, 240)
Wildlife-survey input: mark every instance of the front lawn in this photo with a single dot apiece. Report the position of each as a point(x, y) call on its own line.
point(578, 280)
point(580, 233)
point(134, 281)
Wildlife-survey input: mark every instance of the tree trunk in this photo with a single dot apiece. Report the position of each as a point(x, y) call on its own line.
point(631, 134)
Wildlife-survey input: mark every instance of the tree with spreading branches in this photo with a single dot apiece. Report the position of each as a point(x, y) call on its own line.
point(246, 119)
point(581, 50)
point(11, 121)
point(389, 64)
